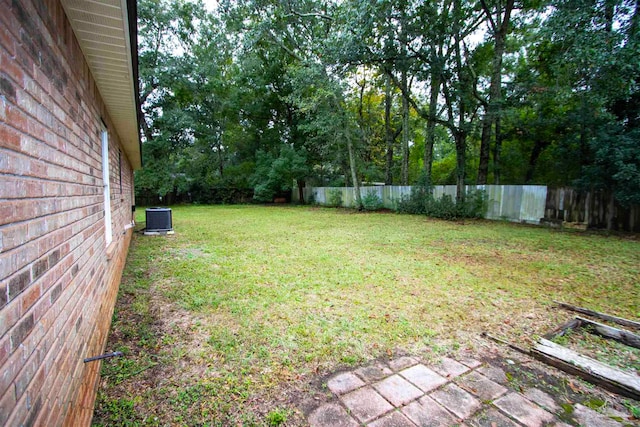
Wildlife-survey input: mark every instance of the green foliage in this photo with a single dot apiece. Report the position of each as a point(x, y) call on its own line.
point(421, 201)
point(371, 201)
point(121, 411)
point(616, 165)
point(276, 175)
point(416, 202)
point(335, 198)
point(277, 417)
point(633, 409)
point(265, 93)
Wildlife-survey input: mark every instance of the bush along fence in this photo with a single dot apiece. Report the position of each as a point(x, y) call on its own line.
point(533, 204)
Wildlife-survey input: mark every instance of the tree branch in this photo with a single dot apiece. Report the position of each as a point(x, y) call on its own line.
point(421, 112)
point(310, 15)
point(489, 16)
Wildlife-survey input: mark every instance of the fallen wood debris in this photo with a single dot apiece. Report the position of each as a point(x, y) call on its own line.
point(625, 337)
point(563, 329)
point(619, 320)
point(591, 370)
point(606, 331)
point(508, 344)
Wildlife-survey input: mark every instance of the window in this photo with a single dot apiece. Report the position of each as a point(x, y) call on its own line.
point(120, 169)
point(106, 187)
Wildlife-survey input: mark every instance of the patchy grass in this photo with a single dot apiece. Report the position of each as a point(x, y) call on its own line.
point(230, 318)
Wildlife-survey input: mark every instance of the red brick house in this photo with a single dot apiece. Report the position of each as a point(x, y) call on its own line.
point(69, 143)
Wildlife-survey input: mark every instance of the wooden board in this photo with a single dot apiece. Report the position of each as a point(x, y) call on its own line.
point(625, 337)
point(619, 320)
point(591, 370)
point(563, 329)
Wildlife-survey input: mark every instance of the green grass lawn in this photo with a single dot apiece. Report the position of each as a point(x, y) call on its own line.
point(224, 321)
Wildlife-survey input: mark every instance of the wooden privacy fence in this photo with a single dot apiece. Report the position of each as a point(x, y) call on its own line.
point(592, 209)
point(519, 203)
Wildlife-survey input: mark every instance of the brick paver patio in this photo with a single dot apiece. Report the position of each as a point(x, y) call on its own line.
point(406, 392)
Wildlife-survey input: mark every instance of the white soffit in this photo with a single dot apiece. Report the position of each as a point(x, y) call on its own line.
point(102, 30)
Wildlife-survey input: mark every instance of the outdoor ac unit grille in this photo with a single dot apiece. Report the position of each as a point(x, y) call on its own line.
point(159, 219)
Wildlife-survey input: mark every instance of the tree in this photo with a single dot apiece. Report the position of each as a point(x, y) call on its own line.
point(263, 93)
point(277, 175)
point(498, 16)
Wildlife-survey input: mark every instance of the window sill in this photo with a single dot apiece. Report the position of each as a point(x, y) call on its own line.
point(111, 250)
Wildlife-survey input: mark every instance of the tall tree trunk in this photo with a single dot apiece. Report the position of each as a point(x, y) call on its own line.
point(485, 144)
point(364, 128)
point(431, 123)
point(538, 147)
point(301, 185)
point(405, 130)
point(148, 135)
point(352, 166)
point(497, 152)
point(609, 12)
point(405, 92)
point(500, 29)
point(461, 148)
point(220, 161)
point(584, 137)
point(354, 172)
point(633, 28)
point(388, 132)
point(460, 135)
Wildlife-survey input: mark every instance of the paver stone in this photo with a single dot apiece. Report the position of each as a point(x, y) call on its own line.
point(394, 419)
point(469, 361)
point(373, 372)
point(423, 377)
point(456, 400)
point(331, 415)
point(402, 363)
point(450, 368)
point(366, 404)
point(491, 418)
point(481, 386)
point(426, 412)
point(523, 410)
point(543, 399)
point(397, 390)
point(587, 417)
point(344, 383)
point(494, 374)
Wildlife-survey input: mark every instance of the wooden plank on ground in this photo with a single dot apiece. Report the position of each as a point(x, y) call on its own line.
point(619, 320)
point(563, 329)
point(593, 371)
point(625, 337)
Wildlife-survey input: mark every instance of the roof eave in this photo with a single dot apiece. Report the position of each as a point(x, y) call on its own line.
point(115, 70)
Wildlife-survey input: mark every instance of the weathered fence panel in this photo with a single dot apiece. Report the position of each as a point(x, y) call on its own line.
point(521, 203)
point(592, 209)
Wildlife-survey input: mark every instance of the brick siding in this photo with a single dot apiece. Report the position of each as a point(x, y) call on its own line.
point(58, 280)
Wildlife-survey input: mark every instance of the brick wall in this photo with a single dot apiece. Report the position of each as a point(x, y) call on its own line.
point(58, 280)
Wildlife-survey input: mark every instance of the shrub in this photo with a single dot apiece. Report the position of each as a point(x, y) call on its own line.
point(475, 204)
point(422, 202)
point(371, 202)
point(311, 199)
point(415, 202)
point(335, 198)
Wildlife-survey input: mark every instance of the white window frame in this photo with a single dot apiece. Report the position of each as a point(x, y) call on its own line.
point(106, 184)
